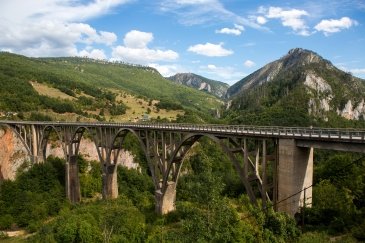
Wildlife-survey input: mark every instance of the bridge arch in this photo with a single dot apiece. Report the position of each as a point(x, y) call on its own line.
point(34, 139)
point(110, 161)
point(175, 163)
point(46, 132)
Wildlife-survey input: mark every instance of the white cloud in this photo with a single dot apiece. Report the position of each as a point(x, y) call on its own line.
point(212, 67)
point(329, 26)
point(193, 12)
point(358, 71)
point(194, 2)
point(210, 50)
point(52, 28)
point(168, 70)
point(237, 30)
point(249, 63)
point(261, 20)
point(63, 11)
point(47, 38)
point(228, 31)
point(107, 38)
point(94, 53)
point(239, 27)
point(137, 39)
point(226, 74)
point(135, 49)
point(292, 18)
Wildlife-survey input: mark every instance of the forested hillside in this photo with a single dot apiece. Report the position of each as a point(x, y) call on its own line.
point(92, 89)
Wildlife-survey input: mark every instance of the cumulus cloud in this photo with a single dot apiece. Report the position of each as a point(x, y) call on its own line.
point(210, 50)
point(228, 31)
point(137, 39)
point(249, 63)
point(168, 70)
point(292, 18)
point(94, 53)
point(52, 28)
point(237, 30)
point(261, 20)
point(135, 49)
point(329, 26)
point(226, 74)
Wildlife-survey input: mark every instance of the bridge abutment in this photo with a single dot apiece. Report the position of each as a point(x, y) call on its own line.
point(294, 175)
point(165, 202)
point(72, 179)
point(110, 182)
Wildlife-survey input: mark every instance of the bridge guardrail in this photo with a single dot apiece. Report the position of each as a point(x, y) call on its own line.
point(349, 134)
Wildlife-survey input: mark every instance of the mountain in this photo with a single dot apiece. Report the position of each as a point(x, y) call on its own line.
point(300, 88)
point(216, 88)
point(71, 88)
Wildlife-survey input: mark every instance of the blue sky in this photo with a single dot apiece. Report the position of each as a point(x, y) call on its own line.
point(223, 40)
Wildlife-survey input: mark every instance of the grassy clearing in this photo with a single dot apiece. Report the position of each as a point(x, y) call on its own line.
point(137, 107)
point(46, 90)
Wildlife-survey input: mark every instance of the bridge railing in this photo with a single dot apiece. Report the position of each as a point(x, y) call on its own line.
point(272, 131)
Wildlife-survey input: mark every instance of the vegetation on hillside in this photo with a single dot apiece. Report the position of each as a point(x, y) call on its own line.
point(94, 85)
point(284, 100)
point(216, 88)
point(211, 205)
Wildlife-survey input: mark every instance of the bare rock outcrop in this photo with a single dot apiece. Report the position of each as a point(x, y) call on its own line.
point(13, 154)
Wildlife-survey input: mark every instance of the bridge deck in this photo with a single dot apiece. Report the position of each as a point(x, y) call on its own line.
point(344, 135)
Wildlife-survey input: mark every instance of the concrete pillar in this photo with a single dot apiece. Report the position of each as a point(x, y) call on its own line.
point(110, 182)
point(165, 202)
point(72, 180)
point(294, 173)
point(34, 144)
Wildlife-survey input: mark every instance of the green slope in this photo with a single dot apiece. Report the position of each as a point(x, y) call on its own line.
point(98, 79)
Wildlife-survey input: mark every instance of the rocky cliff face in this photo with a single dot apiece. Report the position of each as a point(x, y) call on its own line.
point(13, 154)
point(216, 88)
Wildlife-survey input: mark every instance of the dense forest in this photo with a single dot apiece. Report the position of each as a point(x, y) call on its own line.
point(211, 205)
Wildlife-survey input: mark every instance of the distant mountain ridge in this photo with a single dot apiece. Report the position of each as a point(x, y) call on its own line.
point(302, 83)
point(214, 87)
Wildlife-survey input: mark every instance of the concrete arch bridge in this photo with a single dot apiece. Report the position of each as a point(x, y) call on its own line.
point(287, 151)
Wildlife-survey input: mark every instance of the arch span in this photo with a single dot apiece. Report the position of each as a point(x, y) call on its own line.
point(235, 151)
point(110, 161)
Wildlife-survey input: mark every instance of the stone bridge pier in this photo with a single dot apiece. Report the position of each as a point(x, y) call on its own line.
point(294, 177)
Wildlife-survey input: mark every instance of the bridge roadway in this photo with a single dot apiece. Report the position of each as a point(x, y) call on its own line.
point(346, 135)
point(166, 144)
point(343, 139)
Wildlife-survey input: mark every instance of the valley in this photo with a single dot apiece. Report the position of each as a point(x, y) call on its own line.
point(301, 89)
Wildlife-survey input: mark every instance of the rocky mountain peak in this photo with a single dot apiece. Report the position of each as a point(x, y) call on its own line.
point(294, 59)
point(300, 56)
point(323, 89)
point(216, 88)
